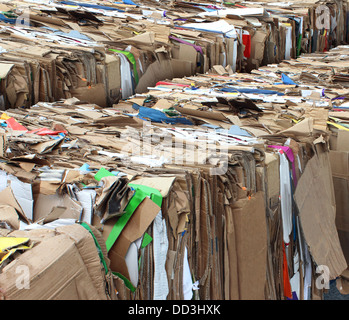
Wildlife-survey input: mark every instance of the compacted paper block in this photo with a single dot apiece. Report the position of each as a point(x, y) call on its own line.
point(52, 270)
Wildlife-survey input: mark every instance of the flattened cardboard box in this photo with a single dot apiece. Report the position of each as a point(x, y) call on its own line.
point(315, 193)
point(87, 249)
point(251, 246)
point(339, 158)
point(57, 272)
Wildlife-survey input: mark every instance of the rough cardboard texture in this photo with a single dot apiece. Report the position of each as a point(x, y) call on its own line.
point(251, 245)
point(62, 275)
point(87, 249)
point(342, 141)
point(320, 232)
point(272, 179)
point(339, 165)
point(66, 255)
point(341, 189)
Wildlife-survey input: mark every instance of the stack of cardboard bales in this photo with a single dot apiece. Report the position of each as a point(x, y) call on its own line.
point(210, 186)
point(200, 188)
point(102, 53)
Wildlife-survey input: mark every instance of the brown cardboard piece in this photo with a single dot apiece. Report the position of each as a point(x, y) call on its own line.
point(8, 217)
point(55, 213)
point(44, 205)
point(342, 140)
point(154, 73)
point(140, 220)
point(188, 53)
point(202, 114)
point(113, 78)
point(88, 251)
point(340, 171)
point(251, 246)
point(7, 198)
point(92, 94)
point(272, 178)
point(339, 163)
point(257, 47)
point(341, 188)
point(116, 195)
point(315, 193)
point(181, 68)
point(60, 275)
point(163, 184)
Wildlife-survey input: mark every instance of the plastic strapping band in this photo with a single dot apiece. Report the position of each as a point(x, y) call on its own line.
point(132, 59)
point(99, 249)
point(138, 197)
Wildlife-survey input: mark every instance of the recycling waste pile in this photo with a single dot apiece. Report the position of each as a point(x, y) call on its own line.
point(106, 51)
point(173, 150)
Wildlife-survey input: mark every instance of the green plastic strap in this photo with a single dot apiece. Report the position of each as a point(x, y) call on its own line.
point(147, 238)
point(132, 59)
point(299, 45)
point(138, 197)
point(102, 172)
point(99, 249)
point(126, 281)
point(153, 193)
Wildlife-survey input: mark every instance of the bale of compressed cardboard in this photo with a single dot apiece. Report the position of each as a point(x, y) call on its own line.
point(62, 265)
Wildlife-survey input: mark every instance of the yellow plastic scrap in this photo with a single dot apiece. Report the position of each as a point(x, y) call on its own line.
point(4, 116)
point(7, 255)
point(9, 245)
point(338, 126)
point(22, 247)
